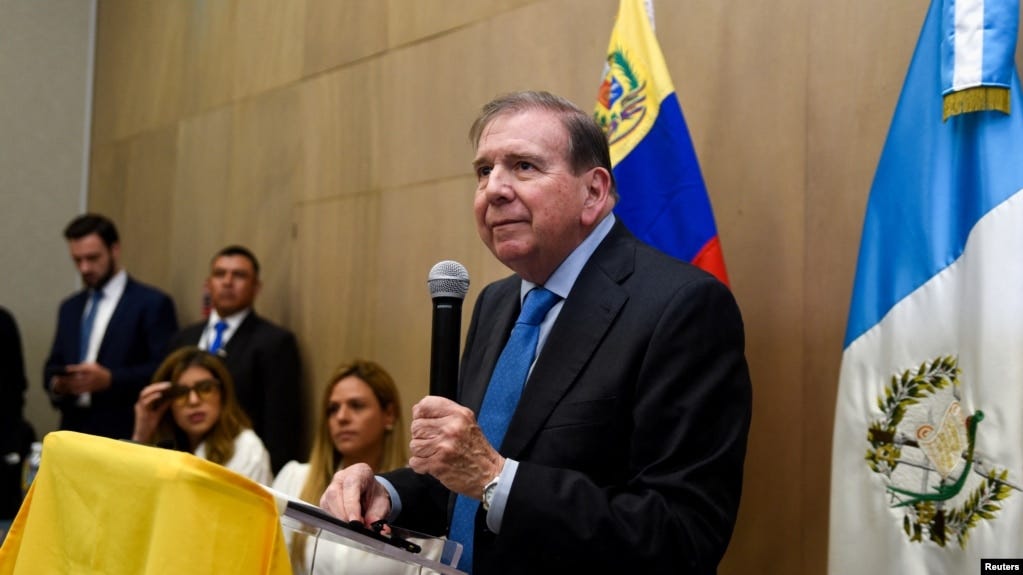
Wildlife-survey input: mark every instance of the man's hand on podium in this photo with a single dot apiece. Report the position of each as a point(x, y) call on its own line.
point(355, 495)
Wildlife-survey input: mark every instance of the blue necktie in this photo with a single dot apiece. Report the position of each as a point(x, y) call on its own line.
point(218, 338)
point(500, 401)
point(90, 318)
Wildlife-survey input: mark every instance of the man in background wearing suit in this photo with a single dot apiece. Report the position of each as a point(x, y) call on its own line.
point(624, 453)
point(262, 357)
point(110, 336)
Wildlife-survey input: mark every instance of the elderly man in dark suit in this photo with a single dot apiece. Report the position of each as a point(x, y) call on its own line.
point(110, 336)
point(624, 452)
point(262, 357)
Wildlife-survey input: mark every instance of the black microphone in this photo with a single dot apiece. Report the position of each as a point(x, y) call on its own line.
point(448, 281)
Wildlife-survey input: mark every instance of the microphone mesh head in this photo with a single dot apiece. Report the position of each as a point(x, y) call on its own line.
point(448, 279)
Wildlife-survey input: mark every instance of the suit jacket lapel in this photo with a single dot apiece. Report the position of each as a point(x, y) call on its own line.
point(244, 333)
point(588, 312)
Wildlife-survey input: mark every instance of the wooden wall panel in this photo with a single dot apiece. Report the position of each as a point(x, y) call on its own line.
point(108, 164)
point(269, 49)
point(431, 92)
point(133, 183)
point(426, 105)
point(210, 51)
point(147, 227)
point(339, 32)
point(266, 178)
point(412, 21)
point(334, 281)
point(201, 202)
point(139, 66)
point(420, 226)
point(340, 115)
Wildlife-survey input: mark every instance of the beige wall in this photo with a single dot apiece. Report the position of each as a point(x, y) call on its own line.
point(329, 135)
point(45, 76)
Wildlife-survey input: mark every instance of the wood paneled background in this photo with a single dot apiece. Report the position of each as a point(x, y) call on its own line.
point(330, 137)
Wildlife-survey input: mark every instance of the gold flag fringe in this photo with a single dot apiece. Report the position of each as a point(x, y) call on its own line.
point(979, 99)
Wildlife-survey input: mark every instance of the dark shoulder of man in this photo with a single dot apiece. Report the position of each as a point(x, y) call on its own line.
point(273, 329)
point(150, 290)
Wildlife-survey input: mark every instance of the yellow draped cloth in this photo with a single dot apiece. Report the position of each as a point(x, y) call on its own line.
point(100, 506)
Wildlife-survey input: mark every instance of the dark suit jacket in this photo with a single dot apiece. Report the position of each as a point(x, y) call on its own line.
point(15, 434)
point(133, 346)
point(12, 384)
point(264, 363)
point(631, 430)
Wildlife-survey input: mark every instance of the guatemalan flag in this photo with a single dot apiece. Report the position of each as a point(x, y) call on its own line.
point(663, 199)
point(927, 461)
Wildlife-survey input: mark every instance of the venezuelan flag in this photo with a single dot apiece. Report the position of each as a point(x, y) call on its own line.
point(663, 197)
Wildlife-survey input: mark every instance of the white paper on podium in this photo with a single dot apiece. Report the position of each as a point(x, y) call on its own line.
point(432, 554)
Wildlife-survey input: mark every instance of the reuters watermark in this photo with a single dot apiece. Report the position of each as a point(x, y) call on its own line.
point(1001, 566)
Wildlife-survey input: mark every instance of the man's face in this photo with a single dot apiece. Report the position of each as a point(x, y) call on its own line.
point(531, 209)
point(233, 284)
point(94, 260)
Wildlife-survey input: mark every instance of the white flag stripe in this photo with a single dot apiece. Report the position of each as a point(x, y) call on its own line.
point(969, 44)
point(973, 309)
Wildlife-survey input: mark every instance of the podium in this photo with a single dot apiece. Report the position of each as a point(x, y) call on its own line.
point(99, 505)
point(329, 546)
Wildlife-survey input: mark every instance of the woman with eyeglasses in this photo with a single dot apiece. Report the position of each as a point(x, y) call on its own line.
point(191, 406)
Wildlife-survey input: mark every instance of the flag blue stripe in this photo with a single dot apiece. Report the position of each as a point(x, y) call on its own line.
point(1001, 27)
point(663, 197)
point(933, 183)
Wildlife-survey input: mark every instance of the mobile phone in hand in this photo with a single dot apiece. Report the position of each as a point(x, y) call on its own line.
point(55, 370)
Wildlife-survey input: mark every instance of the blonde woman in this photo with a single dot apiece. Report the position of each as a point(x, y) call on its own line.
point(192, 406)
point(359, 422)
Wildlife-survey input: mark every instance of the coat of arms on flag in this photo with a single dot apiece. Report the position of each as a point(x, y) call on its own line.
point(923, 445)
point(622, 101)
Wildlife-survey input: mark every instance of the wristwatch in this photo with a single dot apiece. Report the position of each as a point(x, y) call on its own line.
point(488, 493)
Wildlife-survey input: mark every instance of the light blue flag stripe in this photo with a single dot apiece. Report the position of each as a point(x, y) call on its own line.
point(934, 181)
